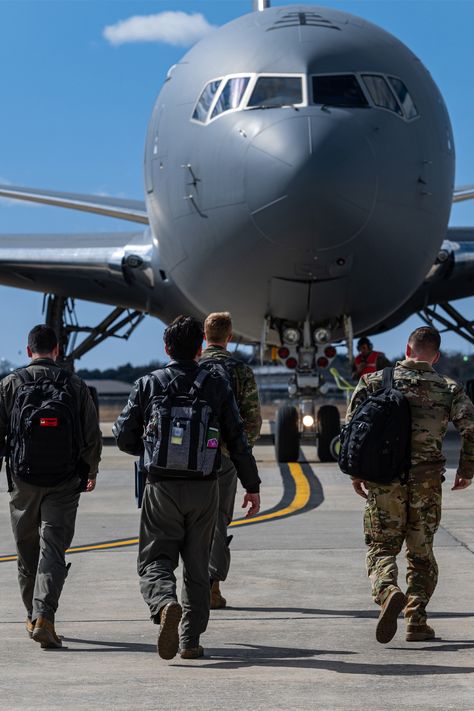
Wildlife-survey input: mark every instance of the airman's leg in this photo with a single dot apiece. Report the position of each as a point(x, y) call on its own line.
point(219, 562)
point(384, 527)
point(424, 514)
point(25, 504)
point(200, 504)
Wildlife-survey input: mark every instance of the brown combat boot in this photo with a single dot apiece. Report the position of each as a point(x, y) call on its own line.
point(387, 622)
point(29, 627)
point(45, 634)
point(217, 601)
point(419, 633)
point(168, 638)
point(192, 653)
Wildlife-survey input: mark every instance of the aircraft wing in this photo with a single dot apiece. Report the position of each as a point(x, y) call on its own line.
point(112, 268)
point(463, 193)
point(130, 210)
point(117, 268)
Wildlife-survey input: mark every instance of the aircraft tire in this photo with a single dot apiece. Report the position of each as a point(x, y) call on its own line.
point(287, 438)
point(329, 427)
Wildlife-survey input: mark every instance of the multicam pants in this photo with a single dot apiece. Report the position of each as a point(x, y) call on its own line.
point(395, 513)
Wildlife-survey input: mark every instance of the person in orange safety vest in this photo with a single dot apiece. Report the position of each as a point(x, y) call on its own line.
point(368, 360)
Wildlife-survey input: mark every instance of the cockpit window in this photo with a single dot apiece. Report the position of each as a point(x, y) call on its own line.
point(276, 91)
point(205, 100)
point(404, 97)
point(338, 90)
point(381, 93)
point(231, 95)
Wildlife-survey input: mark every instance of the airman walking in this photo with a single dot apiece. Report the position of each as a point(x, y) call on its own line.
point(410, 511)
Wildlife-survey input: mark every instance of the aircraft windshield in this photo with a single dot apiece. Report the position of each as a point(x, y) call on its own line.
point(276, 92)
point(338, 90)
point(205, 100)
point(231, 95)
point(404, 97)
point(381, 93)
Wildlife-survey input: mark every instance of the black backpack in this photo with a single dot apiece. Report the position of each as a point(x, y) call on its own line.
point(181, 433)
point(376, 443)
point(44, 439)
point(227, 369)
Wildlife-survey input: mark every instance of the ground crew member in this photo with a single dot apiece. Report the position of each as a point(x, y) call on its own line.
point(179, 509)
point(43, 508)
point(218, 334)
point(410, 511)
point(368, 360)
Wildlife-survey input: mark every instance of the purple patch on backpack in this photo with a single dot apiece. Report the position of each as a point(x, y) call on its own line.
point(212, 443)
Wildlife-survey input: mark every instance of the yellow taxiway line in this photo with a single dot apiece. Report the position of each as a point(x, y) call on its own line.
point(300, 500)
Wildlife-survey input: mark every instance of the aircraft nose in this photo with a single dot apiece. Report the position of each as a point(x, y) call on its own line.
point(311, 181)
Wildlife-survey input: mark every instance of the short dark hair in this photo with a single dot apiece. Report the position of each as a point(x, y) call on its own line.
point(364, 341)
point(218, 326)
point(42, 339)
point(425, 339)
point(184, 337)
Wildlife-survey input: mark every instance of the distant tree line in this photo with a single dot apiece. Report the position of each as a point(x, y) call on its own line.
point(127, 373)
point(456, 365)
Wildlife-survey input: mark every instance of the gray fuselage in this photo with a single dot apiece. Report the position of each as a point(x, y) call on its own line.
point(269, 212)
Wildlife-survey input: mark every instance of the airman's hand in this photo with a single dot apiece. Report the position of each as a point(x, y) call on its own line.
point(90, 485)
point(360, 487)
point(254, 501)
point(461, 483)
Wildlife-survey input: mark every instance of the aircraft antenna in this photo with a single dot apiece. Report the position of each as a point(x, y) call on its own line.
point(260, 5)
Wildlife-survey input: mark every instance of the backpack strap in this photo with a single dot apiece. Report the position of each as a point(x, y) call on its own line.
point(199, 380)
point(163, 376)
point(387, 380)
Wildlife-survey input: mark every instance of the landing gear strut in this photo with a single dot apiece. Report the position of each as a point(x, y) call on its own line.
point(452, 320)
point(60, 314)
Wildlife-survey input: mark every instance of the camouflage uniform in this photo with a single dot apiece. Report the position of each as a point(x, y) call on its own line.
point(411, 511)
point(249, 408)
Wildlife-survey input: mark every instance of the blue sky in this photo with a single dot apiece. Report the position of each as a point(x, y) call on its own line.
point(75, 110)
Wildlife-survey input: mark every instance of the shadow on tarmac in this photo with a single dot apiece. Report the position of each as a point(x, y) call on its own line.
point(110, 646)
point(372, 614)
point(260, 656)
point(455, 645)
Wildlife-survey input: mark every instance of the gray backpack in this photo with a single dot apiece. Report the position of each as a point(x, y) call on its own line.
point(181, 433)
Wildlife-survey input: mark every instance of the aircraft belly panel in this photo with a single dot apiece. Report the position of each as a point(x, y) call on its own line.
point(289, 299)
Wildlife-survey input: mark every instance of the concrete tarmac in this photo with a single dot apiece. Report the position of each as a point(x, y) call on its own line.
point(299, 629)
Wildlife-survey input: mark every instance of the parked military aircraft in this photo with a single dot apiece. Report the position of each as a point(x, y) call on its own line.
point(305, 142)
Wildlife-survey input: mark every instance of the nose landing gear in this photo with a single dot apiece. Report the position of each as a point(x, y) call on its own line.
point(293, 427)
point(307, 351)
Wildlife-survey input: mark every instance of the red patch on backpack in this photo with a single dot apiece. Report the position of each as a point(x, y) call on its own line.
point(49, 422)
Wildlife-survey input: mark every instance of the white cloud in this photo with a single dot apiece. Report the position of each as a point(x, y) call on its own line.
point(176, 28)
